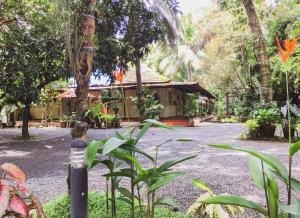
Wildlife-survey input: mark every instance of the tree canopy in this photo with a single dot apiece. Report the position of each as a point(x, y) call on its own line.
point(31, 52)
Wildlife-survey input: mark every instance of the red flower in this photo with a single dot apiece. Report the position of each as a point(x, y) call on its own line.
point(290, 46)
point(119, 76)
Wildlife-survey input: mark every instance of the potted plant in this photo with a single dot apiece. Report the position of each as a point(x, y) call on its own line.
point(63, 122)
point(116, 121)
point(107, 119)
point(192, 108)
point(151, 107)
point(253, 128)
point(267, 119)
point(295, 113)
point(93, 115)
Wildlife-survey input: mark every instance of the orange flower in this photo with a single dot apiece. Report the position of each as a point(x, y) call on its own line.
point(290, 46)
point(105, 109)
point(119, 76)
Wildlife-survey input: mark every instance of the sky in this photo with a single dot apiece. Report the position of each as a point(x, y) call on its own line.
point(194, 6)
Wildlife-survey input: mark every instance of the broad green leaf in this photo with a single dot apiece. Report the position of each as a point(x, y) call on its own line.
point(164, 180)
point(294, 183)
point(125, 192)
point(274, 163)
point(201, 185)
point(143, 130)
point(91, 152)
point(235, 200)
point(108, 163)
point(293, 208)
point(126, 134)
point(158, 124)
point(119, 135)
point(166, 165)
point(112, 144)
point(136, 149)
point(256, 172)
point(273, 194)
point(148, 174)
point(95, 162)
point(118, 173)
point(126, 156)
point(166, 201)
point(294, 148)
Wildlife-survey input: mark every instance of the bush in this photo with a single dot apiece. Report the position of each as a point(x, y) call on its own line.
point(60, 207)
point(252, 126)
point(267, 116)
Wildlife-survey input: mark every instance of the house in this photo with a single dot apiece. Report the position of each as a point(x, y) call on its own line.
point(171, 95)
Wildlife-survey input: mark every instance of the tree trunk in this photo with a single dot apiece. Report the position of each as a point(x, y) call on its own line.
point(139, 90)
point(84, 71)
point(261, 52)
point(26, 113)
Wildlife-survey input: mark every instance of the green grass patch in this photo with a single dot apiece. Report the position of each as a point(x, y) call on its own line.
point(60, 207)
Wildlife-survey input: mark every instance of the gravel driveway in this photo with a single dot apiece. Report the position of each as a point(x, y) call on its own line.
point(224, 171)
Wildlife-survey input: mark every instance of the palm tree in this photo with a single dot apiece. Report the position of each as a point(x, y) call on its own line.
point(167, 12)
point(261, 52)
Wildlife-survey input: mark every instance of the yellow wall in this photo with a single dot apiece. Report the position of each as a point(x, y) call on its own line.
point(170, 98)
point(54, 111)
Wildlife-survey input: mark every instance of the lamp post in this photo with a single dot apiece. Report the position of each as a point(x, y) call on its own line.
point(79, 179)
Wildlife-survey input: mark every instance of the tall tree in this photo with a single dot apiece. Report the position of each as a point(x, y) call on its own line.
point(96, 35)
point(261, 51)
point(148, 24)
point(31, 54)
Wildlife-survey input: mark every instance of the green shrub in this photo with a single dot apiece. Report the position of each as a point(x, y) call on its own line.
point(60, 207)
point(107, 118)
point(252, 126)
point(267, 116)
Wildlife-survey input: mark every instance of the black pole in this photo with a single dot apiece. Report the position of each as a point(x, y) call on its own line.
point(79, 179)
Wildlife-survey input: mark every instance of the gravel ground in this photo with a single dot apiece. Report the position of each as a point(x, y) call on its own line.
point(225, 171)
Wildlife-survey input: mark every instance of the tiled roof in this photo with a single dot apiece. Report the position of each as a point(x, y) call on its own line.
point(70, 93)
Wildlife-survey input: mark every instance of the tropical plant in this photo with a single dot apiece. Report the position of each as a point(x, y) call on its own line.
point(265, 170)
point(15, 197)
point(94, 113)
point(120, 157)
point(211, 210)
point(192, 107)
point(150, 106)
point(61, 207)
point(253, 128)
point(267, 116)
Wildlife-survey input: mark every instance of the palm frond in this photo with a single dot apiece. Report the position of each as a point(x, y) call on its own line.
point(167, 11)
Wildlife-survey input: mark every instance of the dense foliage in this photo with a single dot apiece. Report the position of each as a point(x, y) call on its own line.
point(120, 156)
point(31, 53)
point(60, 207)
point(223, 56)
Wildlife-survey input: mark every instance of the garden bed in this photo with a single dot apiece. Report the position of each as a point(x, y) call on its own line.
point(60, 207)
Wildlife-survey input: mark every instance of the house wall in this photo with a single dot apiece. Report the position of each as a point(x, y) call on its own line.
point(54, 110)
point(170, 98)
